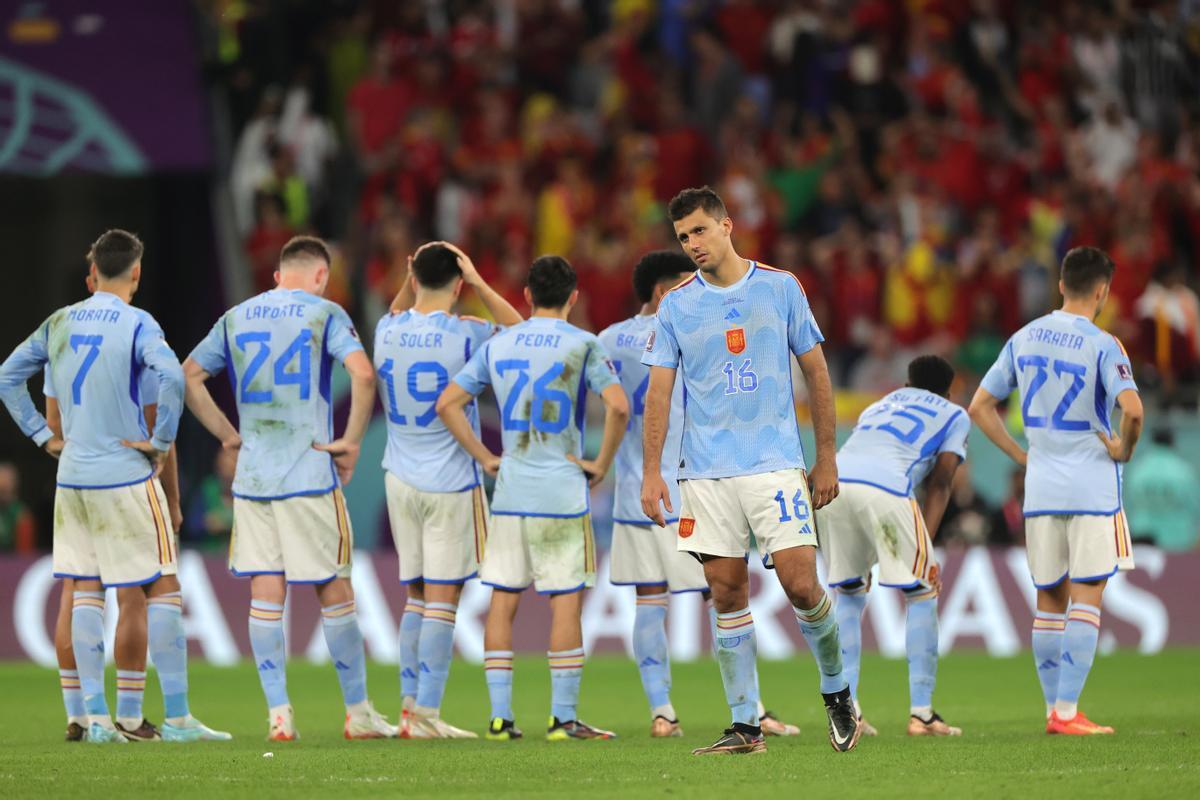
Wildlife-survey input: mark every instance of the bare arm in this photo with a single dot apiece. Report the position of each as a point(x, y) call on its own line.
point(169, 477)
point(656, 417)
point(985, 414)
point(616, 417)
point(204, 408)
point(451, 409)
point(1132, 413)
point(937, 490)
point(822, 479)
point(407, 295)
point(345, 449)
point(500, 309)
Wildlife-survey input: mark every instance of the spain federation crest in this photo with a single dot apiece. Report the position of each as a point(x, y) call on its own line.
point(735, 340)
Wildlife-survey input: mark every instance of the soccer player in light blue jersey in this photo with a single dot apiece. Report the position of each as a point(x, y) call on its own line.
point(541, 371)
point(732, 329)
point(912, 435)
point(1070, 376)
point(436, 503)
point(643, 555)
point(111, 523)
point(289, 515)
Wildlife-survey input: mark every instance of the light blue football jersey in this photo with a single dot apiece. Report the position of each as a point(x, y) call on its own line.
point(415, 356)
point(733, 347)
point(147, 387)
point(898, 438)
point(540, 371)
point(97, 350)
point(625, 342)
point(1069, 373)
point(278, 350)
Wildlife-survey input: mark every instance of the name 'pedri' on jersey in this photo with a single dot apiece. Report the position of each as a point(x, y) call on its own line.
point(733, 347)
point(97, 351)
point(898, 438)
point(1069, 373)
point(278, 350)
point(540, 371)
point(625, 342)
point(415, 356)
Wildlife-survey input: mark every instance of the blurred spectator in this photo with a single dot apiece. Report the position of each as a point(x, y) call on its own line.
point(271, 232)
point(1170, 313)
point(211, 517)
point(1162, 495)
point(18, 533)
point(968, 519)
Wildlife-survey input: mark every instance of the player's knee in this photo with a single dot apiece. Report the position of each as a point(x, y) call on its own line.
point(804, 591)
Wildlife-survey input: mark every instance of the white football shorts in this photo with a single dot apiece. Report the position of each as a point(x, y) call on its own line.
point(555, 554)
point(1082, 547)
point(865, 526)
point(307, 539)
point(122, 536)
point(719, 514)
point(439, 536)
point(646, 555)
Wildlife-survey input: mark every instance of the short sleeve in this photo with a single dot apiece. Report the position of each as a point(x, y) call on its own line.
point(1115, 369)
point(474, 377)
point(47, 385)
point(803, 333)
point(340, 338)
point(956, 436)
point(662, 348)
point(600, 371)
point(210, 353)
point(1001, 379)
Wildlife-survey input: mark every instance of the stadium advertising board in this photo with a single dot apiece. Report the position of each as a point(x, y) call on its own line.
point(986, 603)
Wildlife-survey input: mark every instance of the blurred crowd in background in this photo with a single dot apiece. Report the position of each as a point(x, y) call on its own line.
point(922, 165)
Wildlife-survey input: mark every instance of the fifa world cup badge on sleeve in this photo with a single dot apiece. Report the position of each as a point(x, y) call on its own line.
point(686, 527)
point(1124, 372)
point(650, 342)
point(735, 340)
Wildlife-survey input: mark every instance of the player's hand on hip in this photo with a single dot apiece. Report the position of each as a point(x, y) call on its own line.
point(594, 472)
point(345, 456)
point(491, 465)
point(234, 442)
point(176, 517)
point(156, 457)
point(54, 446)
point(654, 496)
point(823, 483)
point(1113, 444)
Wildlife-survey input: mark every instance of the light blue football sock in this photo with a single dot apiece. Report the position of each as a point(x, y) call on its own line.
point(737, 652)
point(498, 669)
point(345, 643)
point(436, 649)
point(87, 640)
point(131, 688)
point(1048, 630)
point(921, 645)
point(651, 653)
point(1080, 637)
point(168, 652)
point(68, 679)
point(566, 673)
point(820, 629)
point(410, 638)
point(270, 651)
point(848, 611)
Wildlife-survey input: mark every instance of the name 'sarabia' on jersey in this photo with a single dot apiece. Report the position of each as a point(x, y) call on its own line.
point(1068, 373)
point(734, 349)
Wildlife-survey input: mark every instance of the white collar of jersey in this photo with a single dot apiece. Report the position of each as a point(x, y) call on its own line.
point(731, 287)
point(100, 295)
point(1060, 312)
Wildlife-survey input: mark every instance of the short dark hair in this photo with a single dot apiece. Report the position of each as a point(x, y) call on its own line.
point(1083, 268)
point(657, 267)
point(689, 200)
point(436, 266)
point(115, 252)
point(305, 247)
point(551, 281)
point(931, 373)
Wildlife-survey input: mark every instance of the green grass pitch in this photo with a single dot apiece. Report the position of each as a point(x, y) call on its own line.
point(1153, 701)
